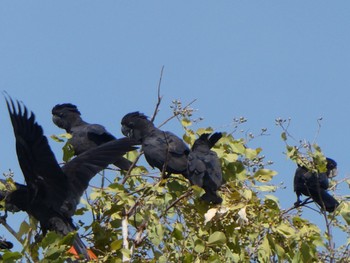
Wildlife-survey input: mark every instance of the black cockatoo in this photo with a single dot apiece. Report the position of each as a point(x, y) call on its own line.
point(162, 149)
point(52, 193)
point(204, 168)
point(85, 136)
point(315, 185)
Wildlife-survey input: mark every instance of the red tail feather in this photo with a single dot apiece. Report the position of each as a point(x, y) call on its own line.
point(89, 252)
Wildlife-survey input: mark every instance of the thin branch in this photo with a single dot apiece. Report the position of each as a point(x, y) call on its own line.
point(128, 174)
point(318, 129)
point(303, 203)
point(10, 229)
point(13, 233)
point(186, 194)
point(94, 217)
point(176, 114)
point(331, 244)
point(159, 97)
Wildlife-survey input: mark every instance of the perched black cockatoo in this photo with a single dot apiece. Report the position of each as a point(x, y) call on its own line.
point(204, 168)
point(315, 185)
point(162, 149)
point(85, 136)
point(52, 193)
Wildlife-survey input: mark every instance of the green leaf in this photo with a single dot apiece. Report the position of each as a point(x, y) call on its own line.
point(284, 136)
point(68, 152)
point(266, 188)
point(56, 138)
point(217, 238)
point(345, 211)
point(199, 246)
point(197, 191)
point(264, 250)
point(247, 194)
point(186, 122)
point(116, 244)
point(264, 175)
point(271, 201)
point(252, 153)
point(23, 229)
point(238, 147)
point(214, 259)
point(285, 230)
point(178, 231)
point(11, 256)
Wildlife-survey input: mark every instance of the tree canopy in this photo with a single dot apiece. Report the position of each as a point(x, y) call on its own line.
point(137, 216)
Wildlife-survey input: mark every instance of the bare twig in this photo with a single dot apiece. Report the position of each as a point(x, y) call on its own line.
point(184, 195)
point(13, 233)
point(303, 203)
point(10, 229)
point(331, 244)
point(128, 174)
point(280, 122)
point(318, 129)
point(159, 97)
point(175, 114)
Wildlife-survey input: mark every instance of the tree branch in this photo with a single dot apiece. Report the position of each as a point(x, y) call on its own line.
point(159, 97)
point(186, 194)
point(176, 114)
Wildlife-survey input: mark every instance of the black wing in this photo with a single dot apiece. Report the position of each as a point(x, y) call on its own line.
point(178, 152)
point(98, 134)
point(37, 161)
point(81, 169)
point(5, 244)
point(324, 199)
point(214, 138)
point(205, 171)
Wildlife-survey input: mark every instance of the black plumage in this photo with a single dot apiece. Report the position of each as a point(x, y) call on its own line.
point(204, 168)
point(85, 136)
point(162, 149)
point(52, 193)
point(315, 185)
point(5, 244)
point(4, 192)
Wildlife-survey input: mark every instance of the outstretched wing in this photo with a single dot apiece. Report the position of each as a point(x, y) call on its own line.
point(82, 168)
point(37, 161)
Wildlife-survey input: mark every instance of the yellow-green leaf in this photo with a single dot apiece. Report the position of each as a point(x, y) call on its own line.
point(217, 238)
point(264, 175)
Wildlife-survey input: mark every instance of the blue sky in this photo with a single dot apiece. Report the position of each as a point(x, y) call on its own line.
point(257, 59)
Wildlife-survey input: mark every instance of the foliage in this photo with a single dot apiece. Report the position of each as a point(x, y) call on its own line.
point(140, 217)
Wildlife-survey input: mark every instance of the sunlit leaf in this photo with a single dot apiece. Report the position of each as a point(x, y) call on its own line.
point(217, 238)
point(265, 188)
point(117, 244)
point(264, 175)
point(210, 214)
point(199, 246)
point(186, 122)
point(11, 256)
point(345, 211)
